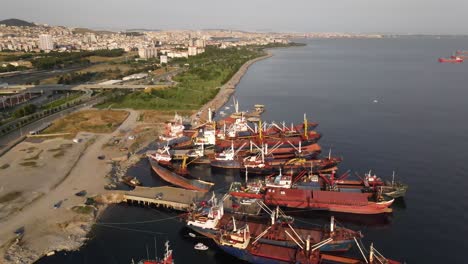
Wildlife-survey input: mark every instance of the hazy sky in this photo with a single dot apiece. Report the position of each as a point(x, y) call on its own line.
point(388, 16)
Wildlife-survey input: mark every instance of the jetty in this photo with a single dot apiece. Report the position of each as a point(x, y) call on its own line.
point(159, 197)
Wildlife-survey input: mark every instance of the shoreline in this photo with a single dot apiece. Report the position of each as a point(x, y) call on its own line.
point(228, 89)
point(81, 235)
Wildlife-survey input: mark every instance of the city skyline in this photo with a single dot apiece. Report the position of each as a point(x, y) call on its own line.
point(359, 16)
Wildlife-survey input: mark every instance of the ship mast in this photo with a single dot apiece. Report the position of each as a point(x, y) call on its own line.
point(305, 127)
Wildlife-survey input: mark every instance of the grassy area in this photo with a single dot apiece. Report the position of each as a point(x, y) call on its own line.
point(196, 86)
point(96, 121)
point(61, 101)
point(9, 196)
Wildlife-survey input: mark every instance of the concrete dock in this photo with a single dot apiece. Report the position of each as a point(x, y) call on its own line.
point(165, 197)
point(176, 198)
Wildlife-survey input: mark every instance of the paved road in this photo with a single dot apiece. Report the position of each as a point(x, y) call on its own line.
point(31, 76)
point(6, 139)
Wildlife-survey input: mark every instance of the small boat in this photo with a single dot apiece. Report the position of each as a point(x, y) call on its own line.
point(50, 253)
point(248, 201)
point(375, 101)
point(259, 108)
point(191, 234)
point(200, 246)
point(131, 181)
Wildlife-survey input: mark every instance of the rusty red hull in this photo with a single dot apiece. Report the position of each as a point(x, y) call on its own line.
point(346, 202)
point(178, 180)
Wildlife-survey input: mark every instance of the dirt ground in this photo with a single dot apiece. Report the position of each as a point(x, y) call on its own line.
point(154, 116)
point(34, 169)
point(52, 220)
point(94, 121)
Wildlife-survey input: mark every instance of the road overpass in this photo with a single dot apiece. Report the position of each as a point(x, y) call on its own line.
point(15, 89)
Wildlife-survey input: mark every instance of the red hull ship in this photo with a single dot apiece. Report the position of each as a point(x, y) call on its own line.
point(168, 259)
point(287, 143)
point(178, 180)
point(453, 59)
point(240, 243)
point(346, 202)
point(294, 166)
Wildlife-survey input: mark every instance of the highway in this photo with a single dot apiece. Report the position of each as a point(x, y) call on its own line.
point(31, 76)
point(14, 135)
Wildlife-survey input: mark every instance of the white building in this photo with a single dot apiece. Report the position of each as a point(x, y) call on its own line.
point(148, 52)
point(200, 43)
point(192, 51)
point(163, 59)
point(45, 42)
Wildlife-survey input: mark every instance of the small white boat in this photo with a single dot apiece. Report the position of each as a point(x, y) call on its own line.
point(227, 107)
point(50, 253)
point(191, 234)
point(247, 201)
point(200, 246)
point(376, 101)
point(222, 113)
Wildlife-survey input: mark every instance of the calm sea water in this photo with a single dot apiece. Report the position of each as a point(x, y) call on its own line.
point(418, 128)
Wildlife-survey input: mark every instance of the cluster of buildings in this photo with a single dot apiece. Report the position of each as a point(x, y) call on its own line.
point(162, 45)
point(46, 38)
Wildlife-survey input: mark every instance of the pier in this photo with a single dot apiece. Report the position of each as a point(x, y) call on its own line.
point(163, 197)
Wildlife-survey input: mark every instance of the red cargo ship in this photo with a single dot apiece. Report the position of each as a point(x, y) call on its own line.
point(240, 243)
point(453, 59)
point(178, 180)
point(346, 202)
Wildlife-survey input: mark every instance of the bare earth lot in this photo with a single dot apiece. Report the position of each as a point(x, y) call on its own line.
point(31, 188)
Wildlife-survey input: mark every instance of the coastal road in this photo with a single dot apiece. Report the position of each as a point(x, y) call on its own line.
point(40, 219)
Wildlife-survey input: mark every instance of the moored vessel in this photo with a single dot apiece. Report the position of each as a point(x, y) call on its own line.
point(454, 59)
point(178, 180)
